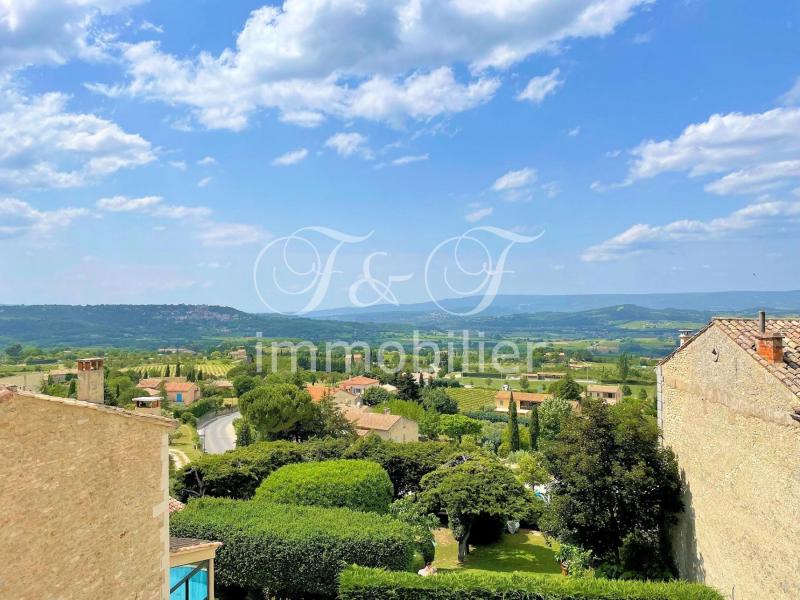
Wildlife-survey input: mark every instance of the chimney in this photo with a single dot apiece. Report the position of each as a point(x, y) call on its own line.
point(768, 345)
point(91, 380)
point(685, 336)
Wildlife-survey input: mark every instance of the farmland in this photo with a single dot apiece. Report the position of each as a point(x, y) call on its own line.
point(471, 398)
point(216, 369)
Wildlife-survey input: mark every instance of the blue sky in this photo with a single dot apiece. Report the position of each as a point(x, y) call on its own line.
point(150, 150)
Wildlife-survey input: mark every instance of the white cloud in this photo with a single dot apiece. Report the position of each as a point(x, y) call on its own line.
point(207, 161)
point(290, 158)
point(540, 87)
point(18, 219)
point(231, 234)
point(153, 206)
point(514, 180)
point(644, 37)
point(124, 204)
point(148, 26)
point(478, 214)
point(408, 159)
point(347, 144)
point(551, 189)
point(382, 60)
point(642, 237)
point(204, 182)
point(792, 97)
point(575, 131)
point(51, 32)
point(44, 146)
point(748, 149)
point(178, 164)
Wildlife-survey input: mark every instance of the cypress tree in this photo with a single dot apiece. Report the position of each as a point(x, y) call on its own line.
point(166, 372)
point(178, 369)
point(534, 427)
point(513, 424)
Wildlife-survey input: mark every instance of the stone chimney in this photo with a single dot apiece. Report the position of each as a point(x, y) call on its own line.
point(685, 336)
point(91, 380)
point(768, 345)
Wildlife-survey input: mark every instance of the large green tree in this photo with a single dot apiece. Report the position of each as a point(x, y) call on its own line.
point(472, 489)
point(616, 490)
point(533, 426)
point(566, 388)
point(623, 366)
point(279, 411)
point(513, 424)
point(553, 412)
point(457, 426)
point(436, 399)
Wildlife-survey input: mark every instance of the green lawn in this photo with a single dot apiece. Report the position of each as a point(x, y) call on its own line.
point(186, 439)
point(526, 550)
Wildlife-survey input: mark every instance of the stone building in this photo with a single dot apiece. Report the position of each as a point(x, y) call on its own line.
point(727, 401)
point(84, 493)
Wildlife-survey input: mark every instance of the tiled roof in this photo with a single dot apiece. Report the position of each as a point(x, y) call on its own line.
point(522, 396)
point(358, 380)
point(744, 333)
point(613, 389)
point(370, 420)
point(318, 392)
point(181, 544)
point(180, 386)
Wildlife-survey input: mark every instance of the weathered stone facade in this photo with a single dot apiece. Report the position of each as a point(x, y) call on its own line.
point(84, 500)
point(727, 418)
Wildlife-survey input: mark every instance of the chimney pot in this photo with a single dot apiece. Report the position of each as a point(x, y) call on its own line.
point(768, 345)
point(762, 322)
point(685, 336)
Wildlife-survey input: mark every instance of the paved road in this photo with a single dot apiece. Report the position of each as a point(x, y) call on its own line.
point(220, 435)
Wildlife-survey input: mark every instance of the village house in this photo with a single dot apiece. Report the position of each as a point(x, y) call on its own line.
point(544, 376)
point(62, 375)
point(339, 397)
point(238, 354)
point(182, 392)
point(727, 407)
point(82, 517)
point(356, 385)
point(523, 400)
point(610, 394)
point(384, 425)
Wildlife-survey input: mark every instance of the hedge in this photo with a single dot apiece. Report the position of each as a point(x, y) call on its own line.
point(356, 484)
point(359, 583)
point(292, 550)
point(237, 473)
point(405, 463)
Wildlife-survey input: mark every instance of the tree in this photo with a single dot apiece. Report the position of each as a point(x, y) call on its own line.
point(72, 392)
point(623, 366)
point(436, 399)
point(243, 384)
point(244, 435)
point(532, 469)
point(513, 424)
point(626, 390)
point(14, 351)
point(372, 396)
point(279, 411)
point(429, 425)
point(524, 384)
point(642, 394)
point(566, 388)
point(178, 369)
point(553, 412)
point(457, 426)
point(616, 490)
point(469, 490)
point(533, 426)
point(166, 371)
point(162, 392)
point(407, 388)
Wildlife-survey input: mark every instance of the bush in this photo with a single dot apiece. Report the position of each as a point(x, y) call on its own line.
point(189, 418)
point(237, 473)
point(405, 463)
point(359, 583)
point(294, 551)
point(356, 484)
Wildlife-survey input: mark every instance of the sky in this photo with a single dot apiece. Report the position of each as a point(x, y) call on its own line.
point(322, 153)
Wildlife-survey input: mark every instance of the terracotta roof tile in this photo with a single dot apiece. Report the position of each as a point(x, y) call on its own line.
point(175, 505)
point(370, 420)
point(358, 380)
point(522, 396)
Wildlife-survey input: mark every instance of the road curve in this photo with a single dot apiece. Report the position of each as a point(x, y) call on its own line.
point(219, 433)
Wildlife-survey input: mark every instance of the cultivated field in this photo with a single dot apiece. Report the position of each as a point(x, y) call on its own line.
point(211, 369)
point(471, 399)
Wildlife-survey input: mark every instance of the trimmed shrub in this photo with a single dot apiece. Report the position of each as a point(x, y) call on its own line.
point(237, 473)
point(358, 583)
point(295, 551)
point(357, 484)
point(405, 463)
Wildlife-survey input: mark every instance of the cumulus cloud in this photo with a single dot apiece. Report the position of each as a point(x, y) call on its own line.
point(42, 145)
point(641, 238)
point(384, 60)
point(347, 144)
point(290, 158)
point(792, 96)
point(539, 88)
point(18, 219)
point(51, 32)
point(752, 152)
point(208, 231)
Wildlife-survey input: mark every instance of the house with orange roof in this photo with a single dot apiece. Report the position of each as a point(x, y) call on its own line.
point(356, 385)
point(182, 392)
point(728, 401)
point(384, 425)
point(523, 400)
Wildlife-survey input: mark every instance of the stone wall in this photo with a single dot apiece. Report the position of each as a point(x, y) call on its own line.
point(83, 491)
point(727, 420)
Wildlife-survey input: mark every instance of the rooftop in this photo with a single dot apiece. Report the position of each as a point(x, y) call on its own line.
point(358, 380)
point(522, 396)
point(180, 544)
point(370, 420)
point(614, 389)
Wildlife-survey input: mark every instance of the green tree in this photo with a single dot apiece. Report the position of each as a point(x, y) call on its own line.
point(243, 384)
point(429, 426)
point(457, 426)
point(178, 369)
point(472, 489)
point(623, 366)
point(524, 384)
point(532, 469)
point(513, 424)
point(375, 395)
point(244, 434)
point(616, 490)
point(72, 391)
point(279, 411)
point(533, 426)
point(407, 388)
point(436, 399)
point(642, 394)
point(566, 388)
point(553, 412)
point(14, 351)
point(626, 390)
point(166, 371)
